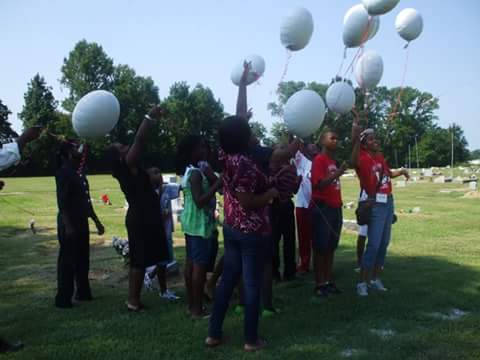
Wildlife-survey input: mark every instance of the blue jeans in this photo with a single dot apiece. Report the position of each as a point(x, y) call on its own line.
point(243, 256)
point(379, 232)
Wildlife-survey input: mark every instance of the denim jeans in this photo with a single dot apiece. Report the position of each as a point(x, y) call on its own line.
point(243, 256)
point(379, 231)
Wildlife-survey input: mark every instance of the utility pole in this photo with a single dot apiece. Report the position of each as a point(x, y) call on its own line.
point(409, 159)
point(416, 150)
point(451, 164)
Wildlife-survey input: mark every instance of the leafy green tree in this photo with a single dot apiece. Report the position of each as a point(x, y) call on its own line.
point(397, 115)
point(136, 95)
point(86, 68)
point(6, 131)
point(40, 109)
point(259, 130)
point(40, 104)
point(475, 154)
point(435, 147)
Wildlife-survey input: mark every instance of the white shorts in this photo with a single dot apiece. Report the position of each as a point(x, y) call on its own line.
point(363, 230)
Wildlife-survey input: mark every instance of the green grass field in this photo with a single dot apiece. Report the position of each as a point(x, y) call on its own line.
point(433, 267)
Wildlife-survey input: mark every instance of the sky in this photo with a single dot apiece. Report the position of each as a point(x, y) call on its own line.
point(200, 41)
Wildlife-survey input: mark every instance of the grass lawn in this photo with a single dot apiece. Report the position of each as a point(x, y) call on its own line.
point(433, 267)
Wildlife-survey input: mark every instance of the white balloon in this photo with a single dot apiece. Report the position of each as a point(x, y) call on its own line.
point(358, 26)
point(256, 70)
point(340, 97)
point(304, 113)
point(409, 24)
point(379, 7)
point(95, 114)
point(296, 29)
point(369, 69)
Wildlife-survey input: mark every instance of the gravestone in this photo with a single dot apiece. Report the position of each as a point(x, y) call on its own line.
point(473, 186)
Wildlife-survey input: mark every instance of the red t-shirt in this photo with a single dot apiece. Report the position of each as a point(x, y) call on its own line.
point(370, 169)
point(322, 167)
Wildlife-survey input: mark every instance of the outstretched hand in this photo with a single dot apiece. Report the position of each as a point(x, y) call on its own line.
point(249, 114)
point(157, 112)
point(247, 66)
point(356, 130)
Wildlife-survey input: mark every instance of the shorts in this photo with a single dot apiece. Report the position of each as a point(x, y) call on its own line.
point(198, 249)
point(363, 230)
point(327, 227)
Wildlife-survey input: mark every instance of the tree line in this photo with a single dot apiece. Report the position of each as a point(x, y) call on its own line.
point(403, 118)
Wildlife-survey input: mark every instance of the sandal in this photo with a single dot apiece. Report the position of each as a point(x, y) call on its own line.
point(133, 308)
point(211, 342)
point(204, 315)
point(261, 344)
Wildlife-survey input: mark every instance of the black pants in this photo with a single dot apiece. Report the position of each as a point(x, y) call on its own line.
point(73, 263)
point(283, 225)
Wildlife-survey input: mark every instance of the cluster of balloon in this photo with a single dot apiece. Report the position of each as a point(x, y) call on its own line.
point(296, 29)
point(257, 68)
point(358, 26)
point(369, 69)
point(409, 24)
point(340, 97)
point(304, 113)
point(96, 114)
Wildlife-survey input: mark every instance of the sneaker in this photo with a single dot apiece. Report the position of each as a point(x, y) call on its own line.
point(377, 285)
point(362, 289)
point(333, 289)
point(322, 291)
point(148, 282)
point(169, 295)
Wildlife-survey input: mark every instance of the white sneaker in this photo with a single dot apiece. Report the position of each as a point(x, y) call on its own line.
point(169, 295)
point(362, 289)
point(377, 285)
point(147, 282)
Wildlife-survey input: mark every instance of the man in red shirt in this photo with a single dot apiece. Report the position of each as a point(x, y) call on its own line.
point(326, 213)
point(376, 186)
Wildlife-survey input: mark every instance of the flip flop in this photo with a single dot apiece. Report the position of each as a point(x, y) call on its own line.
point(133, 308)
point(211, 342)
point(261, 344)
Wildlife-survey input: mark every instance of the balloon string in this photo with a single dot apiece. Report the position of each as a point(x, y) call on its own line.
point(285, 68)
point(393, 113)
point(16, 206)
point(363, 40)
point(342, 62)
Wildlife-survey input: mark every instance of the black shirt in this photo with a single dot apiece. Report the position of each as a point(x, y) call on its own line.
point(73, 193)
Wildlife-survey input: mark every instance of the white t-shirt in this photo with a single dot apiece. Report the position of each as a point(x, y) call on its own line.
point(304, 168)
point(9, 155)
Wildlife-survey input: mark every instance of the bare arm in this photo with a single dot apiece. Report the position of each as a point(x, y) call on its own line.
point(242, 92)
point(397, 173)
point(355, 158)
point(331, 178)
point(201, 198)
point(251, 201)
point(27, 136)
point(136, 150)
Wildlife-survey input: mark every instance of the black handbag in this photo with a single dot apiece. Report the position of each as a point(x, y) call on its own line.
point(364, 209)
